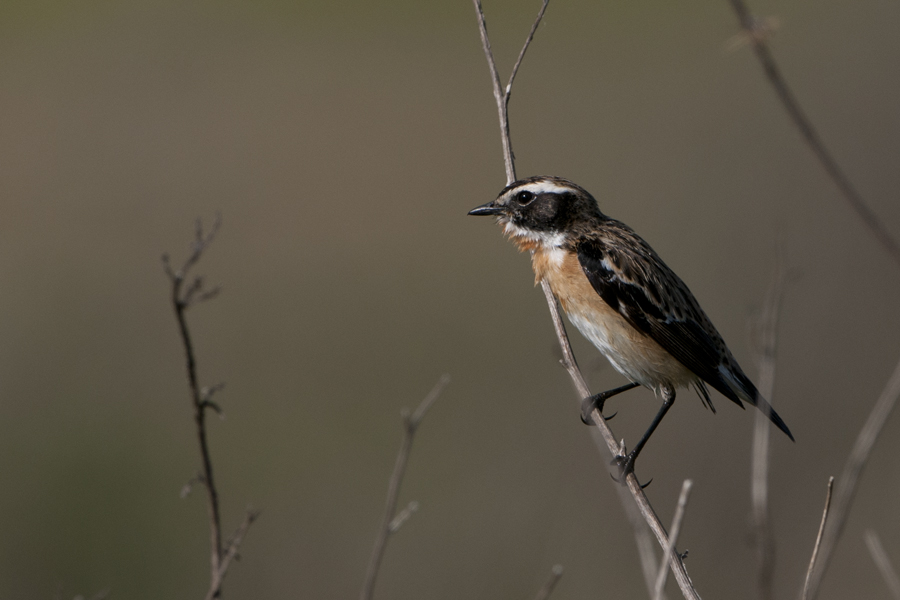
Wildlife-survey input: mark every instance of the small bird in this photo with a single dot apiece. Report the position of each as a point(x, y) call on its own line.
point(622, 297)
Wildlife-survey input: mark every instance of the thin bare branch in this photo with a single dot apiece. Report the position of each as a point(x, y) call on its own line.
point(231, 552)
point(426, 404)
point(603, 436)
point(853, 468)
point(883, 563)
point(180, 303)
point(500, 96)
point(751, 26)
point(515, 69)
point(403, 516)
point(555, 573)
point(765, 330)
point(642, 537)
point(201, 399)
point(391, 522)
point(673, 538)
point(815, 553)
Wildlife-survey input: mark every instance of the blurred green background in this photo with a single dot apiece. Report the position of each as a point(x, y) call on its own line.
point(343, 144)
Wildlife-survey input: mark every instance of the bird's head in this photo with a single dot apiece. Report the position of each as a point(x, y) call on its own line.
point(542, 211)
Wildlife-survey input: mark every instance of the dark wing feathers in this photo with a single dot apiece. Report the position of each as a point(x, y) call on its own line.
point(642, 300)
point(634, 281)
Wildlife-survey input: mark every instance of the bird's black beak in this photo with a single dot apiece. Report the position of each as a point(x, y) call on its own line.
point(486, 210)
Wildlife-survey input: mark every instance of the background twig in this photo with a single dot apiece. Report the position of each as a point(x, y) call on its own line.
point(391, 522)
point(765, 341)
point(201, 398)
point(673, 538)
point(847, 482)
point(751, 26)
point(555, 573)
point(883, 563)
point(815, 552)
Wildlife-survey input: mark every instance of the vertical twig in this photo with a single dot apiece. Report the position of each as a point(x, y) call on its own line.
point(605, 434)
point(502, 96)
point(547, 589)
point(883, 563)
point(847, 482)
point(391, 522)
point(815, 553)
point(602, 431)
point(674, 531)
point(773, 73)
point(643, 539)
point(765, 332)
point(201, 399)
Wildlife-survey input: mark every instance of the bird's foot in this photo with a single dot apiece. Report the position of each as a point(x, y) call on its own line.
point(626, 467)
point(594, 402)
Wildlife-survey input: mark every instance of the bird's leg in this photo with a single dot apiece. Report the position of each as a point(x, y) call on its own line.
point(596, 401)
point(626, 463)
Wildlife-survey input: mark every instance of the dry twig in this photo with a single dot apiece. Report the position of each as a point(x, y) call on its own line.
point(883, 563)
point(201, 399)
point(673, 538)
point(391, 521)
point(765, 340)
point(501, 96)
point(555, 573)
point(752, 26)
point(815, 553)
point(642, 537)
point(603, 436)
point(847, 482)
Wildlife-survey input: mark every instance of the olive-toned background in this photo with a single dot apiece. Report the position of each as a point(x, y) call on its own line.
point(343, 144)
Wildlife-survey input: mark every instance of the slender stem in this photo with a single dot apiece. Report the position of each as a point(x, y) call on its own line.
point(182, 300)
point(230, 553)
point(766, 348)
point(501, 96)
point(547, 589)
point(809, 133)
point(389, 521)
point(883, 563)
point(515, 69)
point(501, 99)
point(815, 554)
point(201, 399)
point(853, 468)
point(642, 536)
point(603, 436)
point(673, 538)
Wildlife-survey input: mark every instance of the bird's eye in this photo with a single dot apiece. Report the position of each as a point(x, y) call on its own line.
point(524, 197)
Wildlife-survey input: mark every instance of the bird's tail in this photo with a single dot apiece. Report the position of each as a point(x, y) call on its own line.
point(741, 386)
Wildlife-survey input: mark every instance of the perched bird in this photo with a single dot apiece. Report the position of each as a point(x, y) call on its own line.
point(622, 297)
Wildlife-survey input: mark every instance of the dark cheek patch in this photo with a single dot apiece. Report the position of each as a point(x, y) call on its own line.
point(545, 209)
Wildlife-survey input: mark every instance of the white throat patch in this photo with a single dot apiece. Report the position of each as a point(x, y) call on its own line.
point(547, 239)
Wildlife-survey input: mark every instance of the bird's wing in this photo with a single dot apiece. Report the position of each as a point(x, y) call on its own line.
point(634, 281)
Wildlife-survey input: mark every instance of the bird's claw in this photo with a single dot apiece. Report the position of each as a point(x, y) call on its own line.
point(626, 467)
point(589, 404)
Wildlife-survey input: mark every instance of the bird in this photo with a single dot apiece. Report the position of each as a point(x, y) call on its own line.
point(617, 291)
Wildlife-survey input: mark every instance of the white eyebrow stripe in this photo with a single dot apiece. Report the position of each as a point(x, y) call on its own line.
point(544, 187)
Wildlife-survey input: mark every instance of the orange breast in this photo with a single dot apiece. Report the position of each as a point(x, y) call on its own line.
point(633, 354)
